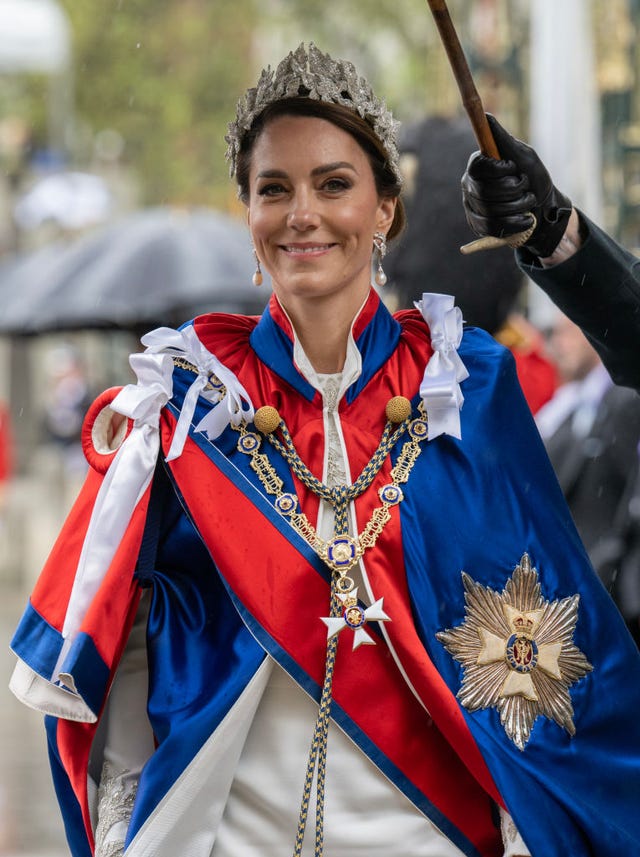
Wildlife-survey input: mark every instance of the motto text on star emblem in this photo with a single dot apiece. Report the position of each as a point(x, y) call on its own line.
point(517, 653)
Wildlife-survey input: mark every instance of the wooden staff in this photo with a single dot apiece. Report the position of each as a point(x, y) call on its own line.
point(475, 111)
point(470, 99)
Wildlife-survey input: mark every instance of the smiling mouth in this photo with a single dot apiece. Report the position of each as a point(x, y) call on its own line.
point(306, 250)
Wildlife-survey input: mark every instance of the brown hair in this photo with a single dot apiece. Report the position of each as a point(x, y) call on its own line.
point(387, 184)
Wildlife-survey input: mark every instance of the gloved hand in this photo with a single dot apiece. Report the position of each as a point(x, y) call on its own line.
point(500, 196)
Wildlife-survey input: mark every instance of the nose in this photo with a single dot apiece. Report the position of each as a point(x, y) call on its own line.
point(303, 214)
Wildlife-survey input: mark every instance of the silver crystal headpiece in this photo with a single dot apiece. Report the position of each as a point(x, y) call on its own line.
point(314, 74)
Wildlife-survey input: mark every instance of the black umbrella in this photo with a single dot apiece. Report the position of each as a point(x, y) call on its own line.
point(156, 266)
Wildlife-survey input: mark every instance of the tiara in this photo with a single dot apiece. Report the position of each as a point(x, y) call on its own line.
point(314, 75)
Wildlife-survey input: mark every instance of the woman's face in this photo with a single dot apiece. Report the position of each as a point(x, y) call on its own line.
point(313, 209)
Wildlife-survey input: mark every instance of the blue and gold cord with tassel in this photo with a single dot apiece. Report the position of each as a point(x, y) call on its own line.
point(317, 761)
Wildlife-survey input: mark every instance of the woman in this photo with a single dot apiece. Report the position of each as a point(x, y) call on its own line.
point(299, 555)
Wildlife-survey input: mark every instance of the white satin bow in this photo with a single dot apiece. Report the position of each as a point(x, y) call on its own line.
point(440, 387)
point(232, 407)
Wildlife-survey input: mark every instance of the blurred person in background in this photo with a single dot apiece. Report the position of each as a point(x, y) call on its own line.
point(324, 551)
point(6, 458)
point(66, 399)
point(488, 289)
point(591, 430)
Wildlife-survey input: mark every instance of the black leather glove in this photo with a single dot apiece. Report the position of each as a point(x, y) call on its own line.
point(500, 196)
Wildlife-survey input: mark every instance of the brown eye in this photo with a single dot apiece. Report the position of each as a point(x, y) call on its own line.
point(273, 189)
point(336, 184)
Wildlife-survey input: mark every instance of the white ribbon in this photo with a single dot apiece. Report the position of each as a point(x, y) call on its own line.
point(234, 407)
point(124, 484)
point(440, 387)
point(132, 468)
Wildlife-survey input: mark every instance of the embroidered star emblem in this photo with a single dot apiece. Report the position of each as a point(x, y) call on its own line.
point(517, 653)
point(355, 617)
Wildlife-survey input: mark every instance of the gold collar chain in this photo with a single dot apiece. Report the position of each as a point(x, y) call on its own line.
point(342, 552)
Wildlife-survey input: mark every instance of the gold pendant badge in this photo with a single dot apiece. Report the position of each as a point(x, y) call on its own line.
point(517, 653)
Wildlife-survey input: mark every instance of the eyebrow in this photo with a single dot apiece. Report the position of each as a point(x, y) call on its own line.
point(317, 171)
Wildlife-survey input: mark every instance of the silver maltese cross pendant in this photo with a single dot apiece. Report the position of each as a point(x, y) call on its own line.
point(355, 617)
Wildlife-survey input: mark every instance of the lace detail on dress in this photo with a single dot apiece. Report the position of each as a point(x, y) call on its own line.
point(116, 796)
point(111, 849)
point(330, 386)
point(336, 472)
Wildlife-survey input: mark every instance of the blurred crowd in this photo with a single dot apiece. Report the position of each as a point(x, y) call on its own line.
point(591, 430)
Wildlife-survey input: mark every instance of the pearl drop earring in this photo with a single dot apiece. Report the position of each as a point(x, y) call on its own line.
point(257, 277)
point(380, 243)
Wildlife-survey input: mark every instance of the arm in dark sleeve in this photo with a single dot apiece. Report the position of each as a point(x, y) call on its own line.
point(599, 289)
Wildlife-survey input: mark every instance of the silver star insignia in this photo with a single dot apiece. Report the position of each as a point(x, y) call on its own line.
point(517, 653)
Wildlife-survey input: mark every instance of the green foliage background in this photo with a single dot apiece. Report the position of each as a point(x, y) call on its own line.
point(166, 74)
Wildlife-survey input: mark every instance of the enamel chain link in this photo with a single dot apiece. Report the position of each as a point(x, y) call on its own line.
point(341, 553)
